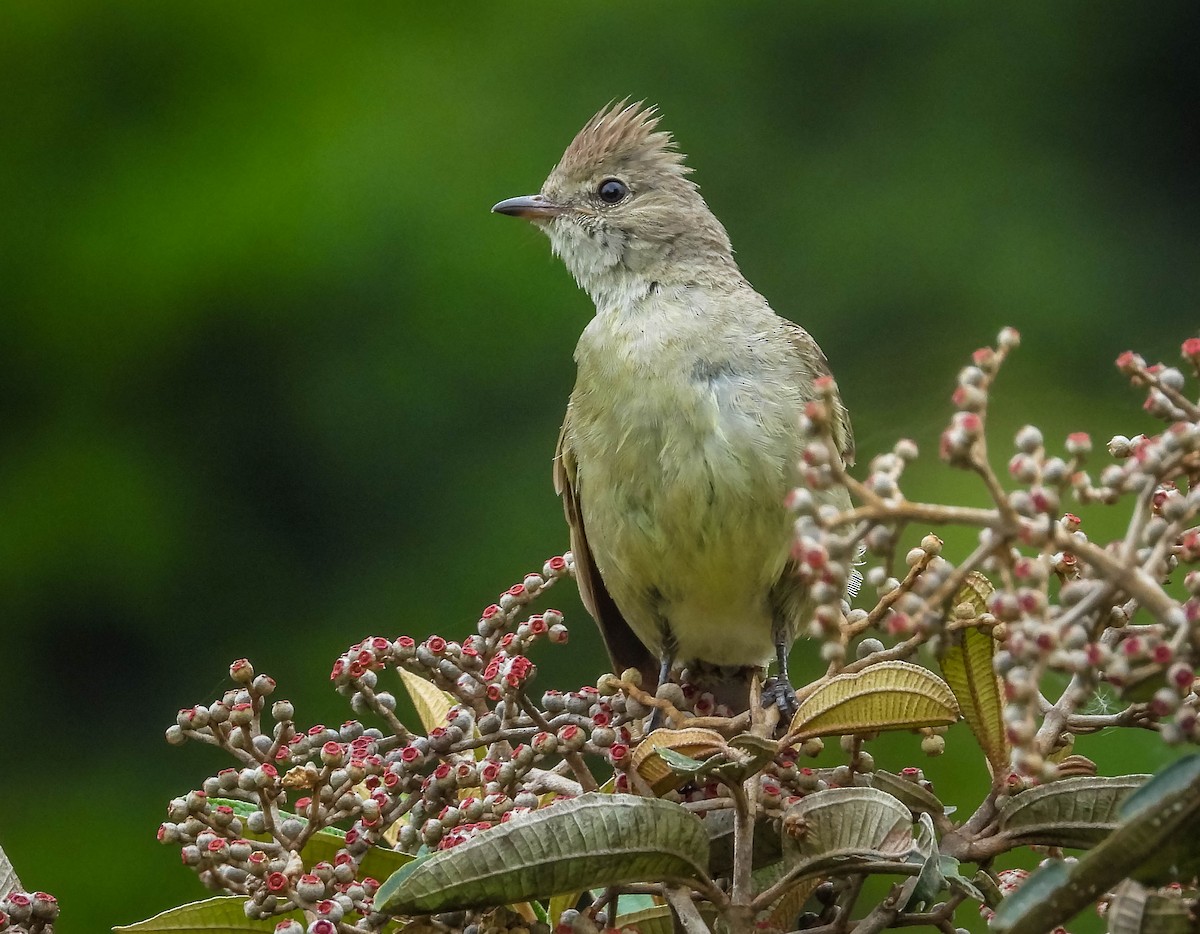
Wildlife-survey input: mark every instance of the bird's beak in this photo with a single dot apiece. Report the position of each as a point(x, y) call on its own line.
point(530, 207)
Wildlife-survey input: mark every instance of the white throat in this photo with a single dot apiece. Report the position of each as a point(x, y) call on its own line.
point(598, 260)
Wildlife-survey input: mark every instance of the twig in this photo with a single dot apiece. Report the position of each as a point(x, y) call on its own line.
point(744, 798)
point(1130, 578)
point(676, 716)
point(850, 630)
point(680, 900)
point(578, 767)
point(884, 914)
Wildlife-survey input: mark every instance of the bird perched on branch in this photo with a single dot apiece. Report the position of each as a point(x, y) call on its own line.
point(682, 437)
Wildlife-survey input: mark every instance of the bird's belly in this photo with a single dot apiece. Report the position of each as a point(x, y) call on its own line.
point(687, 524)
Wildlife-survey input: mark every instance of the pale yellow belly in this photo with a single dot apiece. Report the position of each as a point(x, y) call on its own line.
point(694, 547)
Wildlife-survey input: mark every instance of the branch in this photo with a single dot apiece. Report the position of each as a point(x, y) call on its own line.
point(685, 910)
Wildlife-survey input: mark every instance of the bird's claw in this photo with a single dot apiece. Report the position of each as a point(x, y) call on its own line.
point(779, 691)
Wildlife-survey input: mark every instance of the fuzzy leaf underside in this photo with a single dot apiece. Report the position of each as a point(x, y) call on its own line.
point(918, 800)
point(1072, 812)
point(658, 919)
point(1157, 832)
point(840, 829)
point(8, 876)
point(1134, 909)
point(784, 912)
point(223, 914)
point(591, 841)
point(649, 762)
point(886, 696)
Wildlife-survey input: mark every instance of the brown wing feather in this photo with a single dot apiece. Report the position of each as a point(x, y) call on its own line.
point(815, 364)
point(625, 650)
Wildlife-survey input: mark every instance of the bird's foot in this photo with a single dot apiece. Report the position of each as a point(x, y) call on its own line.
point(779, 691)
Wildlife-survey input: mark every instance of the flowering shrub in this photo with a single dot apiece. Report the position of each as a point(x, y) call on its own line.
point(515, 808)
point(34, 912)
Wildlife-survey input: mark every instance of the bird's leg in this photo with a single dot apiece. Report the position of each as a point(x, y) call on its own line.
point(666, 660)
point(778, 690)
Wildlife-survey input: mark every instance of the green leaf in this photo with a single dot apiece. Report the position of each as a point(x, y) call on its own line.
point(965, 657)
point(733, 765)
point(681, 765)
point(938, 873)
point(992, 896)
point(396, 879)
point(919, 800)
point(843, 827)
point(1072, 812)
point(8, 876)
point(657, 919)
point(695, 745)
point(223, 914)
point(379, 862)
point(1041, 897)
point(560, 903)
point(538, 911)
point(959, 883)
point(1176, 777)
point(932, 880)
point(654, 920)
point(1178, 855)
point(759, 751)
point(1134, 909)
point(431, 702)
point(783, 914)
point(1155, 838)
point(594, 840)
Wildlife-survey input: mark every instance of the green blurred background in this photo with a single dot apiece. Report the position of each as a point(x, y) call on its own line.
point(272, 378)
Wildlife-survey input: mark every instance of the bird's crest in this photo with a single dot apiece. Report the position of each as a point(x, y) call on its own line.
point(622, 133)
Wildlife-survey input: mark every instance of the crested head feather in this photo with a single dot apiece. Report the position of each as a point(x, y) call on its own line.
point(626, 134)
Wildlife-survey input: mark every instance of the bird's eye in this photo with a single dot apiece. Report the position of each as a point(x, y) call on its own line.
point(612, 190)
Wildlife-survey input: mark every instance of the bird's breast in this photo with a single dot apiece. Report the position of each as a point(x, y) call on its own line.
point(688, 456)
point(684, 457)
point(686, 405)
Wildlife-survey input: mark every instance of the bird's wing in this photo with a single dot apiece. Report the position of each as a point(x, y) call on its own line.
point(813, 364)
point(625, 649)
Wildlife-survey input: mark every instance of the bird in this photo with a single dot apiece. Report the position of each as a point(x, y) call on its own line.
point(683, 434)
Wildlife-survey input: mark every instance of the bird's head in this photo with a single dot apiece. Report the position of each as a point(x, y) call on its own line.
point(620, 207)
